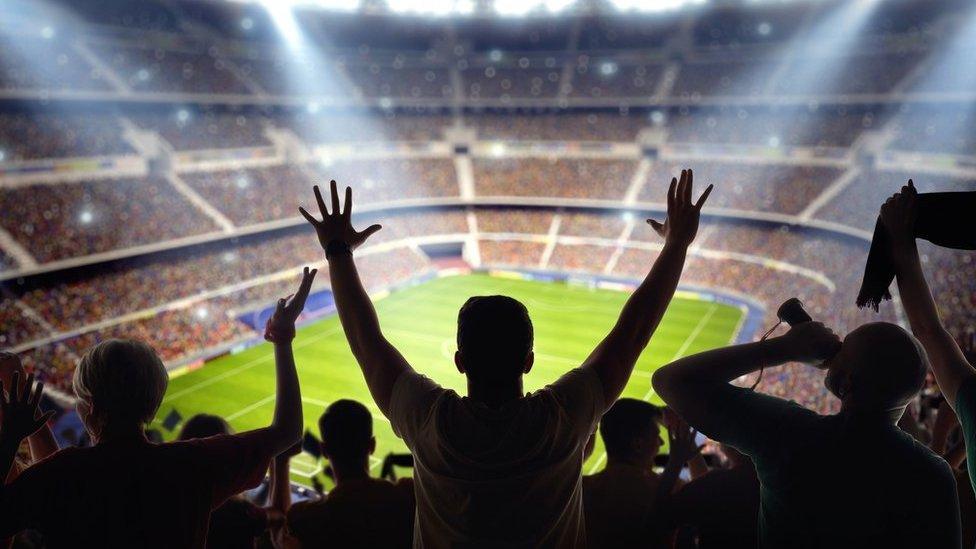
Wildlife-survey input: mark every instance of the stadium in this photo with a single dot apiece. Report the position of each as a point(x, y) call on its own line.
point(153, 156)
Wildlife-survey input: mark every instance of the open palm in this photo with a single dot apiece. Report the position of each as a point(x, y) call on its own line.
point(337, 224)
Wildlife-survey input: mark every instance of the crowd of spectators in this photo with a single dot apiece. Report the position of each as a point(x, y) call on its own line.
point(597, 78)
point(39, 63)
point(809, 126)
point(592, 225)
point(253, 195)
point(564, 178)
point(376, 80)
point(600, 126)
point(33, 135)
point(188, 130)
point(390, 180)
point(779, 188)
point(857, 204)
point(506, 82)
point(514, 221)
point(15, 326)
point(317, 128)
point(7, 263)
point(511, 253)
point(148, 69)
point(58, 221)
point(935, 129)
point(198, 323)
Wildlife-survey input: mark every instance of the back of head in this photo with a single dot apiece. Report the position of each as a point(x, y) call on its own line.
point(346, 428)
point(880, 366)
point(203, 426)
point(121, 383)
point(494, 337)
point(630, 430)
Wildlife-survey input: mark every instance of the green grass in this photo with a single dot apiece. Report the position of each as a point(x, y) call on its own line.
point(569, 321)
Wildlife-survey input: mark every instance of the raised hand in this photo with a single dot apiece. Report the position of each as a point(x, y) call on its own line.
point(19, 415)
point(282, 322)
point(682, 441)
point(898, 215)
point(810, 342)
point(337, 226)
point(9, 365)
point(681, 224)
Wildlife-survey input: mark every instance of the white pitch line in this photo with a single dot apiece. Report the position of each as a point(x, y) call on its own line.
point(250, 408)
point(246, 366)
point(254, 362)
point(681, 351)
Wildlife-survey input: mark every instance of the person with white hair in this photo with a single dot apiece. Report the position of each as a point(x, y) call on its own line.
point(126, 491)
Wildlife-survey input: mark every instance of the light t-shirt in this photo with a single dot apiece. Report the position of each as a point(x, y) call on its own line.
point(502, 478)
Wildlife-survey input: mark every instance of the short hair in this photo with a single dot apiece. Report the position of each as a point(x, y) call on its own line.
point(891, 363)
point(203, 426)
point(346, 428)
point(122, 380)
point(494, 336)
point(626, 420)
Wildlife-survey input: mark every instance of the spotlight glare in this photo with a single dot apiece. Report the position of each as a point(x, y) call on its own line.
point(247, 23)
point(628, 216)
point(608, 68)
point(653, 5)
point(431, 7)
point(47, 33)
point(182, 116)
point(284, 20)
point(764, 29)
point(86, 217)
point(202, 313)
point(518, 8)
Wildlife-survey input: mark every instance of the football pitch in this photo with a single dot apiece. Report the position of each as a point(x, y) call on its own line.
point(421, 321)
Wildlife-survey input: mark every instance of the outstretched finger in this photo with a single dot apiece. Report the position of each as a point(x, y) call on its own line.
point(35, 398)
point(308, 217)
point(657, 226)
point(14, 393)
point(304, 288)
point(704, 197)
point(679, 193)
point(335, 197)
point(347, 207)
point(370, 230)
point(321, 201)
point(672, 191)
point(689, 182)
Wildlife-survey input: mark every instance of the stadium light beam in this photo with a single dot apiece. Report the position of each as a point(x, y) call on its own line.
point(283, 17)
point(824, 45)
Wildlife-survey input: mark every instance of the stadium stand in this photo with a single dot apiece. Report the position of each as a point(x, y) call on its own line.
point(776, 225)
point(36, 135)
point(58, 221)
point(606, 179)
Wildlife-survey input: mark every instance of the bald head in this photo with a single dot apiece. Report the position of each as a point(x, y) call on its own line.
point(879, 365)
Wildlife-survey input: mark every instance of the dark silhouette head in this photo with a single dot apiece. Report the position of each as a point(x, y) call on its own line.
point(120, 384)
point(879, 368)
point(346, 428)
point(630, 432)
point(494, 340)
point(203, 426)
